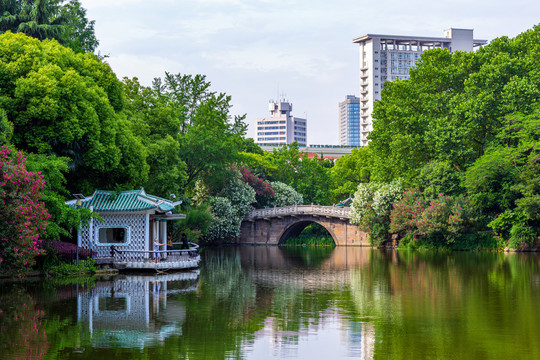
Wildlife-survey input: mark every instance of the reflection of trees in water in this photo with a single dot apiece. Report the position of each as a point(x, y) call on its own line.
point(312, 256)
point(21, 328)
point(450, 304)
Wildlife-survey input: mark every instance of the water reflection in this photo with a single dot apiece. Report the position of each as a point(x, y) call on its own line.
point(273, 303)
point(133, 311)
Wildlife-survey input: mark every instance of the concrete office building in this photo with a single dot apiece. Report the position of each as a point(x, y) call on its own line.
point(389, 57)
point(349, 121)
point(281, 127)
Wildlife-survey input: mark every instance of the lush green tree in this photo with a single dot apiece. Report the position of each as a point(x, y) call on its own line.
point(66, 104)
point(349, 171)
point(453, 106)
point(6, 129)
point(184, 108)
point(307, 176)
point(50, 19)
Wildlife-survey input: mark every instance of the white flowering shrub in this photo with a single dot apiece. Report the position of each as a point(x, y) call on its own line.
point(371, 207)
point(235, 202)
point(226, 223)
point(285, 195)
point(241, 195)
point(385, 197)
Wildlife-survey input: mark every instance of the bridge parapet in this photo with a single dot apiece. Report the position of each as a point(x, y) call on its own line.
point(332, 211)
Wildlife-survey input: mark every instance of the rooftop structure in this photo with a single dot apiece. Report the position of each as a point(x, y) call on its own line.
point(281, 127)
point(389, 57)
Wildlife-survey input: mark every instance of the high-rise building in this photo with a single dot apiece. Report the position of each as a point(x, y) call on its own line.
point(349, 121)
point(389, 57)
point(281, 127)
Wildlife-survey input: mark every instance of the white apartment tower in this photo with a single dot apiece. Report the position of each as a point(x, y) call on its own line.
point(389, 57)
point(281, 127)
point(349, 121)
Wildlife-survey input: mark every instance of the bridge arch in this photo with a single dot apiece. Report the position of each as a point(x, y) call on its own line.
point(271, 226)
point(295, 228)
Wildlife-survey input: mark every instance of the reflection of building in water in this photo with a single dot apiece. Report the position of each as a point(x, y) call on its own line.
point(331, 335)
point(133, 311)
point(360, 339)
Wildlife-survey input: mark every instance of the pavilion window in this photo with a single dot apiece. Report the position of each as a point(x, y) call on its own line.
point(112, 235)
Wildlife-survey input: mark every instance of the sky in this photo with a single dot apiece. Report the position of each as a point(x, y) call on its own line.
point(262, 50)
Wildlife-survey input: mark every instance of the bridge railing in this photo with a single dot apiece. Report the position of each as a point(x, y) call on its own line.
point(333, 211)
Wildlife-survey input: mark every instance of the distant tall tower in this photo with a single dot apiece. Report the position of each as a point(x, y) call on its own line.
point(349, 121)
point(389, 57)
point(281, 127)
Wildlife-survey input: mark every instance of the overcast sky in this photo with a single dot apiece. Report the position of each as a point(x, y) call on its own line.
point(257, 50)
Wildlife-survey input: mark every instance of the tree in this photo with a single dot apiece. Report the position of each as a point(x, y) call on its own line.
point(50, 19)
point(184, 108)
point(23, 216)
point(307, 176)
point(453, 106)
point(349, 171)
point(70, 105)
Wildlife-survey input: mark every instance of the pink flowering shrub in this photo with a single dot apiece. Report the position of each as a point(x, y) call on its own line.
point(444, 217)
point(406, 213)
point(264, 191)
point(23, 216)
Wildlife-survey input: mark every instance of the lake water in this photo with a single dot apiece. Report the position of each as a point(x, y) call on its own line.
point(295, 303)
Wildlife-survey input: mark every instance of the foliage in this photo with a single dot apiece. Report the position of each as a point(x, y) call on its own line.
point(66, 252)
point(229, 208)
point(183, 109)
point(371, 208)
point(6, 129)
point(72, 269)
point(285, 195)
point(264, 191)
point(195, 225)
point(407, 212)
point(66, 104)
point(311, 240)
point(521, 235)
point(309, 177)
point(50, 19)
point(441, 218)
point(489, 181)
point(23, 216)
point(349, 171)
point(439, 177)
point(226, 225)
point(453, 107)
point(503, 223)
point(529, 187)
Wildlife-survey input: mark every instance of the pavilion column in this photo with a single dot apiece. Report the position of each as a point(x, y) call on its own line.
point(155, 234)
point(163, 236)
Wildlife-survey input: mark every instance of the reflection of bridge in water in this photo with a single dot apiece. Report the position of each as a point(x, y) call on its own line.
point(276, 265)
point(272, 226)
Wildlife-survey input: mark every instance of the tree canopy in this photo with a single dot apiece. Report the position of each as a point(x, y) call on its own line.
point(50, 19)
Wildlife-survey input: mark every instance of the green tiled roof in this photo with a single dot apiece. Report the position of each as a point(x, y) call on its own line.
point(133, 200)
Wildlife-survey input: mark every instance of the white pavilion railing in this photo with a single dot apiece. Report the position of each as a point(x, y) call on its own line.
point(332, 211)
point(123, 256)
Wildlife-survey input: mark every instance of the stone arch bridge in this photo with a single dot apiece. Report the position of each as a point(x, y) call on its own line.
point(272, 226)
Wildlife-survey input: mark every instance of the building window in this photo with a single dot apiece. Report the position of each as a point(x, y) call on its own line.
point(112, 235)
